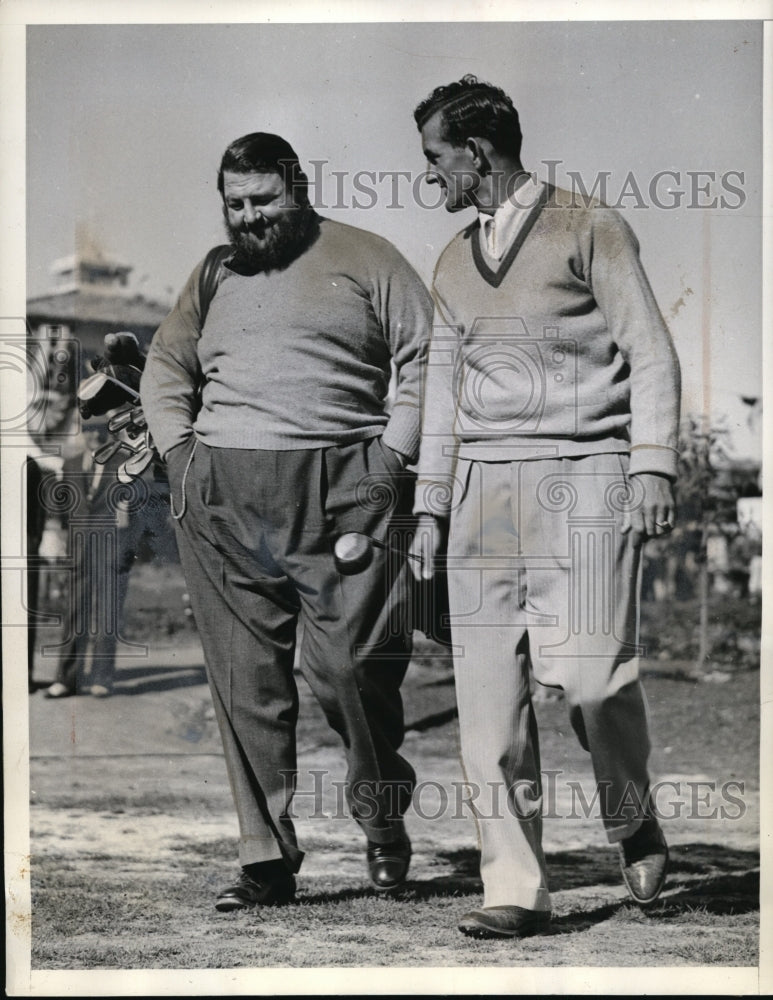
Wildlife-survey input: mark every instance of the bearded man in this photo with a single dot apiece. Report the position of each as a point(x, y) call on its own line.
point(270, 406)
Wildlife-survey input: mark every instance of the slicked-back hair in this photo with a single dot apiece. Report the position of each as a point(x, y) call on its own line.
point(263, 152)
point(470, 108)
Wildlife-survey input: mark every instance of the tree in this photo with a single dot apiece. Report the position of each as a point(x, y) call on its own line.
point(704, 501)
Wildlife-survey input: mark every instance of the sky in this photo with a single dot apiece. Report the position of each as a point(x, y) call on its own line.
point(126, 125)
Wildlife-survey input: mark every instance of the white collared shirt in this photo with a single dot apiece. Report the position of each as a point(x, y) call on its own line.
point(498, 231)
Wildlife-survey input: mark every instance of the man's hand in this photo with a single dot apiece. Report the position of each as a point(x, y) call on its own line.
point(655, 515)
point(394, 459)
point(427, 545)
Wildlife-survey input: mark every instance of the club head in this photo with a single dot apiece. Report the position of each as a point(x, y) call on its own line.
point(106, 452)
point(103, 391)
point(353, 552)
point(91, 386)
point(135, 465)
point(120, 420)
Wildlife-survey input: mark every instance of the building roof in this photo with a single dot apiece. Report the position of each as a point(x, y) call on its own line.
point(86, 305)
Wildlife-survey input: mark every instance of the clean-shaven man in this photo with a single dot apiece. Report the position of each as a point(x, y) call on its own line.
point(548, 456)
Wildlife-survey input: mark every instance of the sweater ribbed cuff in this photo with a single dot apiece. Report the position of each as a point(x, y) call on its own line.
point(434, 495)
point(402, 431)
point(653, 458)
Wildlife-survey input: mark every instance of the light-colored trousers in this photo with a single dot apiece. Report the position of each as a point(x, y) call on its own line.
point(542, 577)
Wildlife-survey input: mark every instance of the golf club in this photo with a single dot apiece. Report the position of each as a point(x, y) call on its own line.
point(353, 552)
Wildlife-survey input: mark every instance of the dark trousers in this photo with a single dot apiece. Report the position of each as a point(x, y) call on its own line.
point(256, 531)
point(104, 555)
point(33, 597)
point(99, 583)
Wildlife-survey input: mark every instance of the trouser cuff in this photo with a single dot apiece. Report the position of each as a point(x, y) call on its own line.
point(255, 850)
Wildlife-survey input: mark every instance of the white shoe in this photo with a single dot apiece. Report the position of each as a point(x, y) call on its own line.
point(58, 690)
point(100, 691)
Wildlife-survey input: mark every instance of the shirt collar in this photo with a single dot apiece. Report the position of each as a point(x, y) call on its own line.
point(510, 214)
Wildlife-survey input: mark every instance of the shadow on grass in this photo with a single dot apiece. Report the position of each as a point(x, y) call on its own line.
point(599, 865)
point(432, 721)
point(147, 679)
point(463, 879)
point(710, 878)
point(716, 879)
point(706, 878)
point(723, 896)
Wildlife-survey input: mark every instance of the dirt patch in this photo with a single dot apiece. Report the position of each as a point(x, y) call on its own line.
point(129, 850)
point(133, 831)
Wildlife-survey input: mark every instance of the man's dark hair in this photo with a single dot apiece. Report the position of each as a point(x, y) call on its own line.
point(471, 108)
point(263, 152)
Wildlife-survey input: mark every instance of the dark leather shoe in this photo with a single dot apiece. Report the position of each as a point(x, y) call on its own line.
point(258, 891)
point(388, 863)
point(644, 862)
point(504, 922)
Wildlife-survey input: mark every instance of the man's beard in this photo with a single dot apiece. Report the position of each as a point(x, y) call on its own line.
point(281, 242)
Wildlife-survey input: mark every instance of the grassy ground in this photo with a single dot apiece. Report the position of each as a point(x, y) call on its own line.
point(165, 920)
point(129, 850)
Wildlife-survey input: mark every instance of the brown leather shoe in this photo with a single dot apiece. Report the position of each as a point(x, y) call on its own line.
point(260, 890)
point(388, 863)
point(644, 862)
point(504, 922)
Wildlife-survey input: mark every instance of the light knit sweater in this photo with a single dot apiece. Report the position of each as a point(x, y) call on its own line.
point(297, 358)
point(559, 350)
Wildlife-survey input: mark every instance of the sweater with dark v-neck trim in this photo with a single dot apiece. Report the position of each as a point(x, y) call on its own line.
point(557, 350)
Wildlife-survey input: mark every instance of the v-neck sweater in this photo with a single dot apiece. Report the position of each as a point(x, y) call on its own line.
point(557, 350)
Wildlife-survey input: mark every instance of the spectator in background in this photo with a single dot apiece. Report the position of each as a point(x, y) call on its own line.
point(36, 522)
point(755, 562)
point(104, 521)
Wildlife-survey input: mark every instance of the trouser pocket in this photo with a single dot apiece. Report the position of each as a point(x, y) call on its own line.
point(365, 488)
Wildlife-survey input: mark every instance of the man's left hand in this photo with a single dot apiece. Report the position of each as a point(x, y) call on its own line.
point(655, 515)
point(395, 459)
